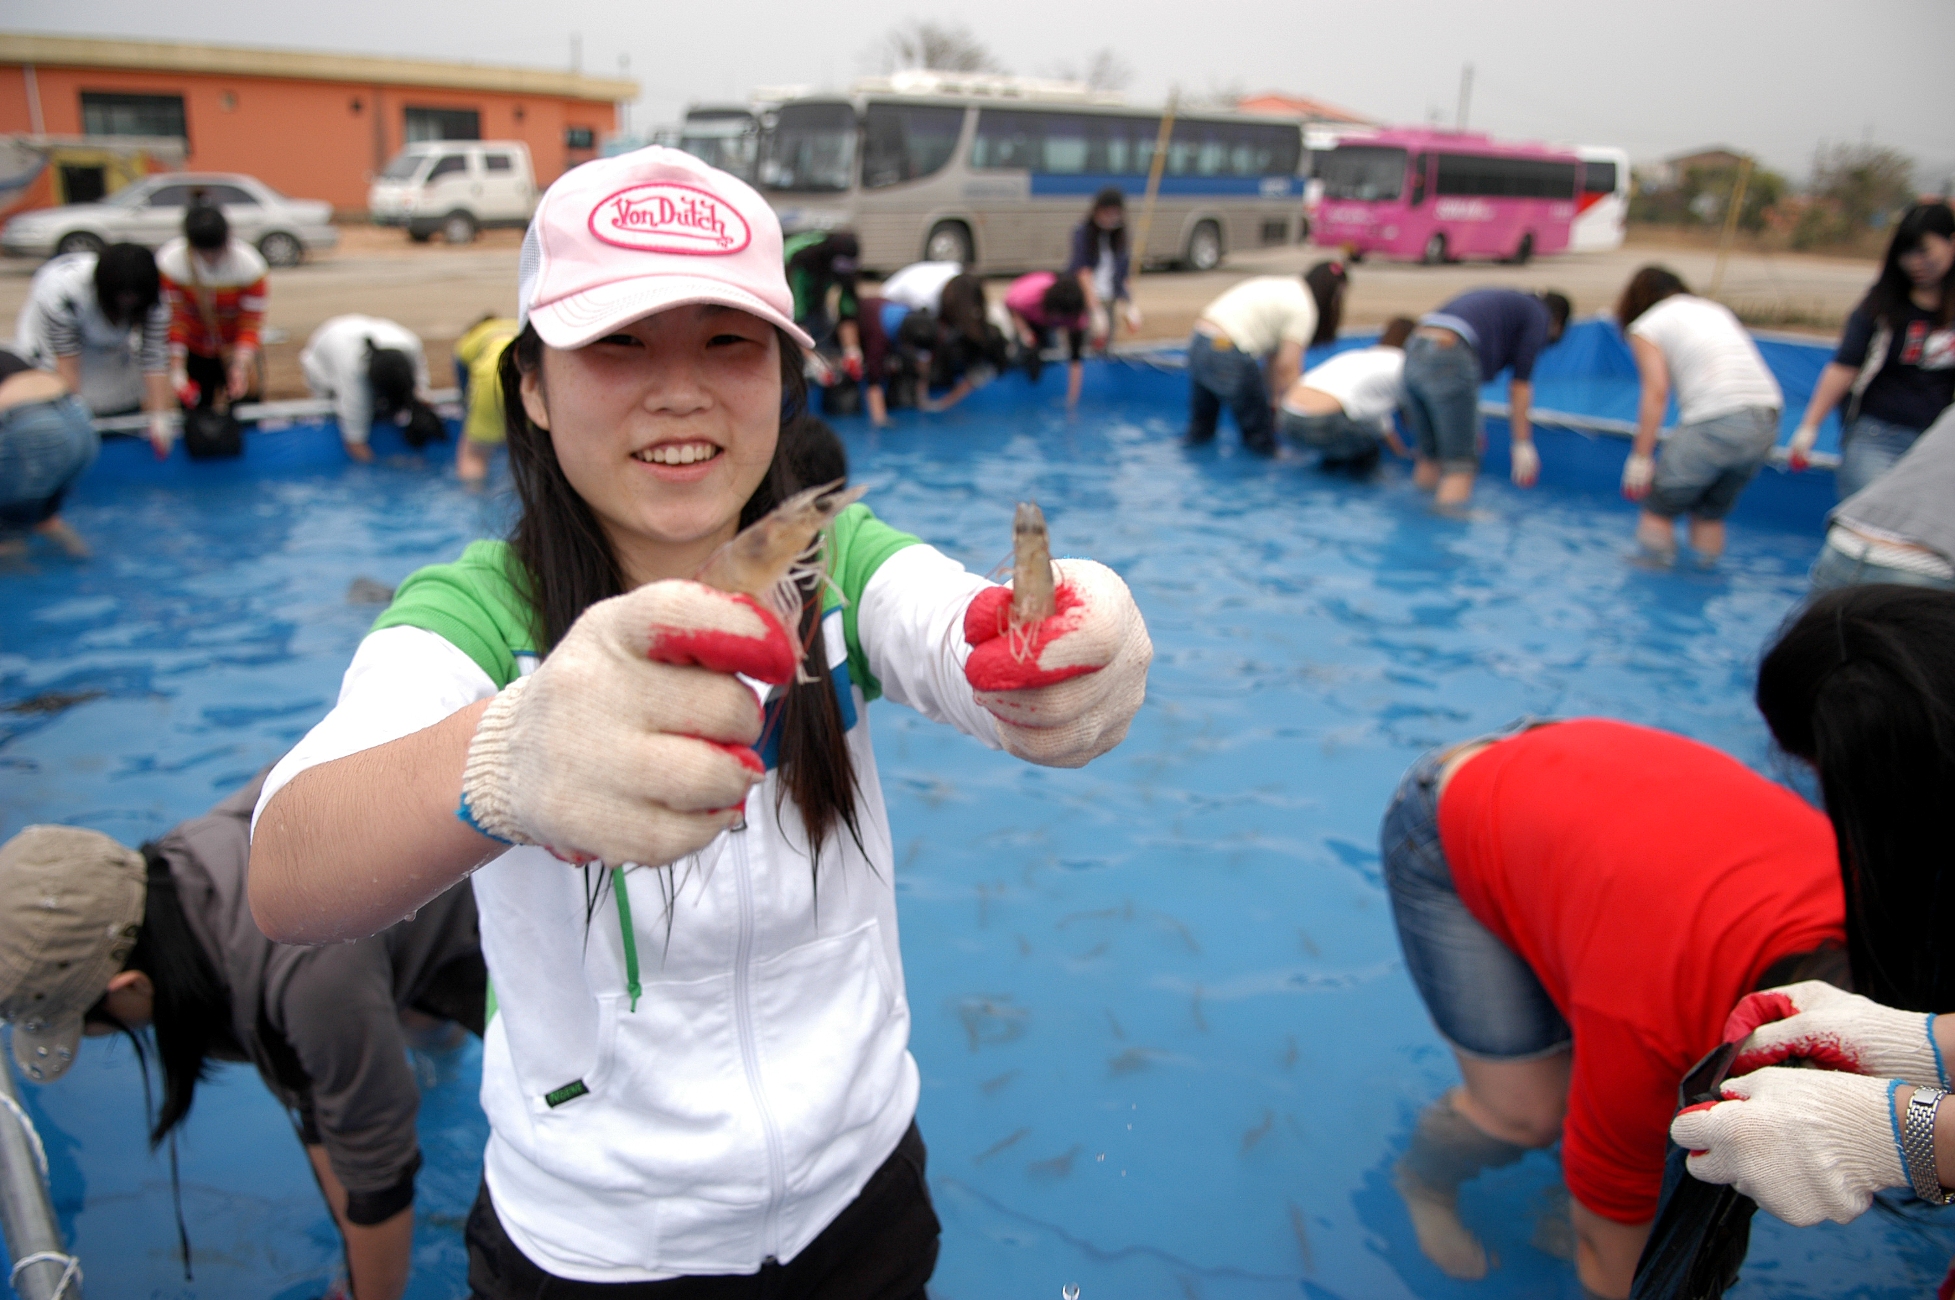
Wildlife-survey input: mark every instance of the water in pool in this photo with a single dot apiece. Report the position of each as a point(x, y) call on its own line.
point(1167, 1043)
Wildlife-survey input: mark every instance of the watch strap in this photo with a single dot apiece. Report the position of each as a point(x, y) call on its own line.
point(1918, 1145)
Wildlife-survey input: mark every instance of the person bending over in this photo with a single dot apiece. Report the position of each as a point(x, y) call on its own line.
point(163, 938)
point(1899, 528)
point(920, 285)
point(99, 321)
point(371, 369)
point(968, 351)
point(216, 287)
point(478, 353)
point(47, 442)
point(1041, 305)
point(1456, 349)
point(1895, 368)
point(699, 1064)
point(1265, 321)
point(1581, 904)
point(1860, 686)
point(1343, 408)
point(1727, 412)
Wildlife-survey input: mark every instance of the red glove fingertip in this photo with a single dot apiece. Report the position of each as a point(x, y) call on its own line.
point(769, 657)
point(987, 616)
point(741, 754)
point(1757, 1009)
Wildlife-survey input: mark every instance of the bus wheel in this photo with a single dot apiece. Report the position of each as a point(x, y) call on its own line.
point(1205, 247)
point(1435, 250)
point(1525, 252)
point(949, 241)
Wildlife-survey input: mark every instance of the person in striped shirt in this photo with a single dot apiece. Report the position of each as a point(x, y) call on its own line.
point(216, 288)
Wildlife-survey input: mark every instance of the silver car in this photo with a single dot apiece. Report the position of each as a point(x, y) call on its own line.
point(150, 212)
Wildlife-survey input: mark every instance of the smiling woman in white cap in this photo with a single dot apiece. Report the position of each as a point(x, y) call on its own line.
point(695, 1071)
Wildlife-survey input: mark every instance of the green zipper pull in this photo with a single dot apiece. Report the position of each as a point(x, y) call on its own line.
point(624, 927)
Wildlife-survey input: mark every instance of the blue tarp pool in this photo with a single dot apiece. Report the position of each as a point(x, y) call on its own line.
point(1168, 1046)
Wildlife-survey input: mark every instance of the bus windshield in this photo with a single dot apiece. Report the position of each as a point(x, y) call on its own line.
point(812, 150)
point(1365, 172)
point(728, 141)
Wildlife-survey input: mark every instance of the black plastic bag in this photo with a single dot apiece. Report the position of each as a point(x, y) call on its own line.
point(211, 434)
point(1702, 1230)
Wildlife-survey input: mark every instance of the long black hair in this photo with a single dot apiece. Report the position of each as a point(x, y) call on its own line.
point(1889, 300)
point(191, 1017)
point(1326, 284)
point(565, 564)
point(127, 284)
point(1116, 238)
point(1861, 685)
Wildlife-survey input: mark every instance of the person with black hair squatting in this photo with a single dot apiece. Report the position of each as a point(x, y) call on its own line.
point(642, 724)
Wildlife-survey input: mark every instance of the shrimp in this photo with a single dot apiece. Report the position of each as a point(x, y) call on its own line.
point(774, 555)
point(1032, 600)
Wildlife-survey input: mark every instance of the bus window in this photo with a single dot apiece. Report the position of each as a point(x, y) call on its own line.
point(1599, 178)
point(906, 142)
point(812, 149)
point(1418, 194)
point(1369, 173)
point(1006, 138)
point(1067, 144)
point(1123, 146)
point(1496, 177)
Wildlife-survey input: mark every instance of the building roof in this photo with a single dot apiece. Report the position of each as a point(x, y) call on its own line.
point(301, 65)
point(1313, 110)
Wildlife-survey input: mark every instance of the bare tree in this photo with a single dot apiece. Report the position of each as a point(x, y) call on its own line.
point(1106, 70)
point(937, 47)
point(1862, 181)
point(1220, 95)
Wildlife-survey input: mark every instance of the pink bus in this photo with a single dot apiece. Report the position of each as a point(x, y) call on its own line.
point(1439, 196)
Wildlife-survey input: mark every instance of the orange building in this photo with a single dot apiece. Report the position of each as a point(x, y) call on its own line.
point(313, 126)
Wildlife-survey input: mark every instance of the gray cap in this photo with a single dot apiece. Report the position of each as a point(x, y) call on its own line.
point(71, 905)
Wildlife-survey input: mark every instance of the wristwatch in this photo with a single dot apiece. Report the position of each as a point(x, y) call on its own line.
point(1918, 1145)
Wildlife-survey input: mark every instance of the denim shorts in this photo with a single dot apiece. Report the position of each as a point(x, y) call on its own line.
point(1483, 998)
point(1442, 402)
point(1337, 436)
point(1706, 465)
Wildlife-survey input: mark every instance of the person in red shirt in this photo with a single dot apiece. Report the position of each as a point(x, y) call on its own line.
point(1581, 904)
point(1042, 304)
point(216, 287)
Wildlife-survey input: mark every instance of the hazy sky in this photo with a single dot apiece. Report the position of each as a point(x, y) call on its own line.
point(1655, 76)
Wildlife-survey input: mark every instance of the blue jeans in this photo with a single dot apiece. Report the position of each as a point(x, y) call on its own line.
point(1335, 437)
point(1707, 464)
point(1224, 376)
point(1442, 402)
point(1483, 998)
point(44, 448)
point(1834, 568)
point(1868, 449)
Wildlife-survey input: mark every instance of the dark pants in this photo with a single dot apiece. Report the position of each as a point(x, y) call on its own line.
point(1221, 376)
point(883, 1246)
point(210, 377)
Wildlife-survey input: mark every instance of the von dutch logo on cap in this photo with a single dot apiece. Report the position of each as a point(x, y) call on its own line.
point(666, 217)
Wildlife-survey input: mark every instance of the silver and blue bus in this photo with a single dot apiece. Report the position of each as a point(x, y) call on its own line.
point(998, 181)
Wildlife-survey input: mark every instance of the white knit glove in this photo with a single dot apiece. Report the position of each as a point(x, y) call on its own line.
point(1064, 691)
point(1805, 1144)
point(1526, 463)
point(1798, 452)
point(630, 742)
point(1637, 472)
point(1836, 1030)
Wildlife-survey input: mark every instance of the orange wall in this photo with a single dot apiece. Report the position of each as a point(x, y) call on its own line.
point(305, 138)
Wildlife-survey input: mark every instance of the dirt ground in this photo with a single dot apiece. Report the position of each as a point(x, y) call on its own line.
point(438, 291)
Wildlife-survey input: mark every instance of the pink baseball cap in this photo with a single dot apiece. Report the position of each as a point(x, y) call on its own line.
point(619, 238)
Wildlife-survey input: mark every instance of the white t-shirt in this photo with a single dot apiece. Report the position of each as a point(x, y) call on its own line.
point(1715, 368)
point(335, 366)
point(1264, 312)
point(920, 285)
point(61, 318)
point(1367, 382)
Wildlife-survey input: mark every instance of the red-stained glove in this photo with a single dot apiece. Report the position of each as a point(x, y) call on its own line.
point(1836, 1030)
point(852, 363)
point(632, 741)
point(1798, 452)
point(1063, 691)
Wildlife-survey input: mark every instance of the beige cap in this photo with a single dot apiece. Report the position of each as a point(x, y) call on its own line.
point(71, 905)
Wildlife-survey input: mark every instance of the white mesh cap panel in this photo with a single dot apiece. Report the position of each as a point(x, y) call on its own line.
point(527, 269)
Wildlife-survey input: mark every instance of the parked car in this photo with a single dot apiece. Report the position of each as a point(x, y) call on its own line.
point(150, 212)
point(456, 187)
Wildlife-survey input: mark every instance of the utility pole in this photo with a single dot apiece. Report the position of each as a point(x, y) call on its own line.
point(624, 74)
point(1465, 94)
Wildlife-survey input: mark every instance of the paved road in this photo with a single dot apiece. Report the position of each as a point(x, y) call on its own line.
point(438, 291)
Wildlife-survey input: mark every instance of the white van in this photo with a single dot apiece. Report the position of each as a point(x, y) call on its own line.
point(455, 187)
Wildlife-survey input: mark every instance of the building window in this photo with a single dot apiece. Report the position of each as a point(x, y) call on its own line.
point(443, 124)
point(107, 113)
point(579, 137)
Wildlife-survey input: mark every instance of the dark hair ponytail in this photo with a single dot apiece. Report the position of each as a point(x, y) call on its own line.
point(1861, 685)
point(1648, 287)
point(1326, 283)
point(564, 564)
